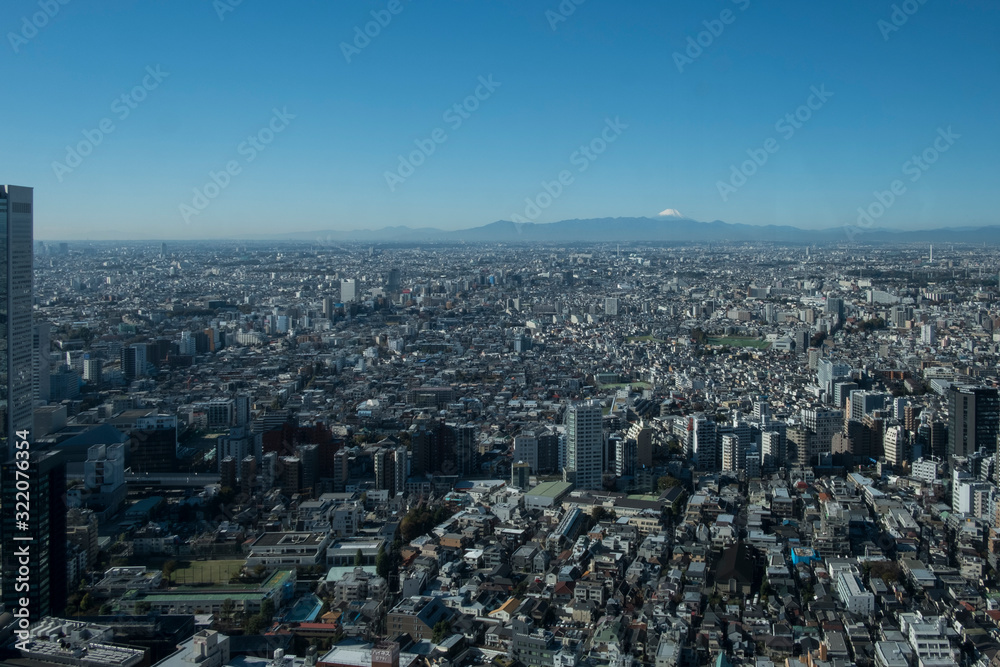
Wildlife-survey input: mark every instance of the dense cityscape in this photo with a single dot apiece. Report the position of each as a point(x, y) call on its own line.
point(313, 453)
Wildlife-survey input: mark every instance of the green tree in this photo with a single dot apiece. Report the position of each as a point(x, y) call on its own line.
point(254, 625)
point(168, 570)
point(382, 563)
point(765, 589)
point(267, 610)
point(359, 558)
point(667, 482)
point(441, 630)
point(228, 607)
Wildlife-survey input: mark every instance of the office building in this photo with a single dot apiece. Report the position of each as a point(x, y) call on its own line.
point(92, 369)
point(385, 470)
point(41, 364)
point(519, 474)
point(16, 282)
point(973, 414)
point(466, 450)
point(861, 403)
point(828, 372)
point(393, 281)
point(834, 306)
point(841, 392)
point(133, 360)
point(64, 384)
point(46, 528)
point(348, 290)
point(584, 442)
point(526, 449)
point(549, 452)
point(824, 424)
point(153, 444)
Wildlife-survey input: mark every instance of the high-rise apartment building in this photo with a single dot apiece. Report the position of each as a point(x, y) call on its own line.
point(732, 454)
point(584, 442)
point(705, 444)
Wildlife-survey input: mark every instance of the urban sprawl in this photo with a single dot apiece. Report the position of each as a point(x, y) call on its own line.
point(252, 454)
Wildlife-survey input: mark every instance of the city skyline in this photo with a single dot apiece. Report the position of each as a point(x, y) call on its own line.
point(810, 117)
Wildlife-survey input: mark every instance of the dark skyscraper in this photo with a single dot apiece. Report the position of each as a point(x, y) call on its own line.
point(466, 450)
point(548, 452)
point(45, 479)
point(17, 365)
point(433, 446)
point(32, 534)
point(973, 416)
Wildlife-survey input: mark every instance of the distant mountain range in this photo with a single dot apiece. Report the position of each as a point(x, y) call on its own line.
point(632, 230)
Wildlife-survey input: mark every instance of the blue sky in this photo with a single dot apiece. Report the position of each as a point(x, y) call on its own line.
point(278, 72)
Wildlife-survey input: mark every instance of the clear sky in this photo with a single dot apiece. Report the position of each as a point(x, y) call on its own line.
point(665, 124)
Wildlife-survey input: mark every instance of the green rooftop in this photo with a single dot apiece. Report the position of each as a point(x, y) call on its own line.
point(550, 489)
